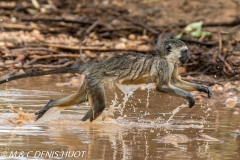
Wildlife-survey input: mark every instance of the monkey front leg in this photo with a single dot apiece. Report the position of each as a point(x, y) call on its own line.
point(171, 90)
point(177, 82)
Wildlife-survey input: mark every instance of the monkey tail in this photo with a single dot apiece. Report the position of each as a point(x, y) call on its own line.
point(40, 73)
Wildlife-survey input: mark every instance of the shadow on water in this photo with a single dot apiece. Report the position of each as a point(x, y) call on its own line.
point(147, 128)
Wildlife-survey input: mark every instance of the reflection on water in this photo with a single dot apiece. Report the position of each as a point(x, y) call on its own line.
point(147, 128)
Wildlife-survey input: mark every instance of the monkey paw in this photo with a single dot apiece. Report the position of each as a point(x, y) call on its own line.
point(42, 111)
point(206, 90)
point(191, 101)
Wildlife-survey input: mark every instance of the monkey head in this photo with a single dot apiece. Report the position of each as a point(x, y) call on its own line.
point(176, 50)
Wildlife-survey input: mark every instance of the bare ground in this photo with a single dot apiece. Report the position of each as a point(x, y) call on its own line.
point(37, 35)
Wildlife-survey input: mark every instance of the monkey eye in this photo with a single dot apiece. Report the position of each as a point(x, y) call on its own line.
point(184, 51)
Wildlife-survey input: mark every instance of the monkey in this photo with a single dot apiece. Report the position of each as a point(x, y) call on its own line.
point(159, 67)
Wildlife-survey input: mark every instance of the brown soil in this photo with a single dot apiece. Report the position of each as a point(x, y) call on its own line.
point(52, 34)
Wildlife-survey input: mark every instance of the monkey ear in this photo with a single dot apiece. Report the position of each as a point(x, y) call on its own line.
point(167, 48)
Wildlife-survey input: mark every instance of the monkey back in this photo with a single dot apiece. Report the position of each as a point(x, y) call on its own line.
point(132, 68)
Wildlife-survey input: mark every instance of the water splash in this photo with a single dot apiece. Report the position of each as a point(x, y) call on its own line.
point(128, 92)
point(148, 87)
point(50, 114)
point(176, 110)
point(18, 116)
point(147, 103)
point(110, 112)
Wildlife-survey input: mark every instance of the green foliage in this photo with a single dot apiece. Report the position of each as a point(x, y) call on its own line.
point(195, 30)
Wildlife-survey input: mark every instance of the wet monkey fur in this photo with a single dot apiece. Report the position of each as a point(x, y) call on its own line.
point(160, 68)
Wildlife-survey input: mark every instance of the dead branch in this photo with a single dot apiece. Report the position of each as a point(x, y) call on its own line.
point(235, 22)
point(45, 66)
point(90, 48)
point(208, 44)
point(148, 28)
point(45, 19)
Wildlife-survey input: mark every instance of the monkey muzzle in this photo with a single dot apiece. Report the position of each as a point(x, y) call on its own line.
point(184, 57)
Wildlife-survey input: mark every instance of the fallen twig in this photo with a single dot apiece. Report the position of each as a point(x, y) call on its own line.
point(150, 29)
point(209, 44)
point(55, 56)
point(21, 57)
point(58, 20)
point(104, 49)
point(32, 49)
point(45, 66)
point(214, 24)
point(225, 63)
point(92, 26)
point(219, 43)
point(17, 26)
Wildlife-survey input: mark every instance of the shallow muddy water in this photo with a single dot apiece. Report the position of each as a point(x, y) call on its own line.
point(145, 129)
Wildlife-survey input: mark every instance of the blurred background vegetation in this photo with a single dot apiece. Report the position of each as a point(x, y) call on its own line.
point(44, 34)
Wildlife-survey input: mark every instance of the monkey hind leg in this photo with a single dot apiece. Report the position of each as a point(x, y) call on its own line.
point(42, 111)
point(76, 98)
point(96, 98)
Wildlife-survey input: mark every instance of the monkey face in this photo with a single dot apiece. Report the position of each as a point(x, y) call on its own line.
point(184, 56)
point(176, 51)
